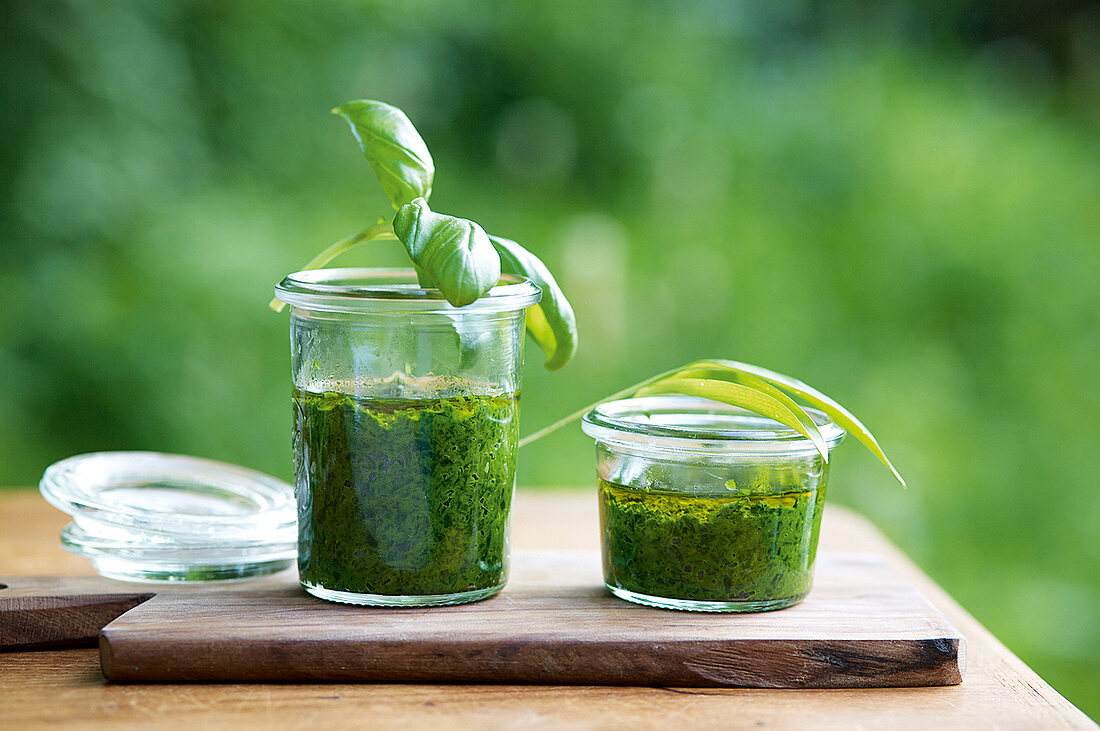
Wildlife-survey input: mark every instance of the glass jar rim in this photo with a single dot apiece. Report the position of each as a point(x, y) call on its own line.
point(698, 425)
point(364, 289)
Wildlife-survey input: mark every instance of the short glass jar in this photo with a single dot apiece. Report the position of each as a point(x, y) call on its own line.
point(707, 507)
point(406, 414)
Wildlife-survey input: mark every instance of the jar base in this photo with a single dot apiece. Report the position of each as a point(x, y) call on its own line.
point(694, 605)
point(401, 600)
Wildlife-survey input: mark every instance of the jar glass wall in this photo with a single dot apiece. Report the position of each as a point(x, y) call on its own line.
point(706, 507)
point(406, 417)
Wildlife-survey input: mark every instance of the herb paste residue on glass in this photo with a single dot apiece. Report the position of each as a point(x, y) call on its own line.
point(719, 547)
point(401, 496)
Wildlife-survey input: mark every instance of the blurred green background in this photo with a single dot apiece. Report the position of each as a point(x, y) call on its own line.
point(898, 203)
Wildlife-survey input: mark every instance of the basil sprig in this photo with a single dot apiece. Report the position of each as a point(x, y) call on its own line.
point(454, 255)
point(751, 387)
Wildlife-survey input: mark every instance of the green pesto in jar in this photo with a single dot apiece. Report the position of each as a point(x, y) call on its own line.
point(735, 546)
point(402, 496)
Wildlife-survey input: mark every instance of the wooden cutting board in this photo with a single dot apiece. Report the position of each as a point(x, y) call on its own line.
point(861, 626)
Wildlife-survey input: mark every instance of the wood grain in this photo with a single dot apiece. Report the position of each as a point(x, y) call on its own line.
point(861, 626)
point(52, 689)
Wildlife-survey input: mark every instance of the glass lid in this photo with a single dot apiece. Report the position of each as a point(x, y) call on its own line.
point(147, 516)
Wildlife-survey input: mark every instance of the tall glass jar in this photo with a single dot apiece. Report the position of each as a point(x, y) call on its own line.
point(406, 415)
point(707, 507)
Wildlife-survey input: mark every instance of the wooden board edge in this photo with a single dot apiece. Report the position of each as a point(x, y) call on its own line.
point(722, 664)
point(50, 622)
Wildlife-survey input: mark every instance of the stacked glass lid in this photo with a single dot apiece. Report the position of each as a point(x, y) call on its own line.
point(147, 516)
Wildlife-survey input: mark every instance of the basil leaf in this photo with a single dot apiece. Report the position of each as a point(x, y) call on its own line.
point(838, 413)
point(393, 148)
point(747, 379)
point(784, 410)
point(450, 253)
point(551, 322)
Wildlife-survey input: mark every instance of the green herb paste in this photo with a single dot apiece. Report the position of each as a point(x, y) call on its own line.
point(722, 548)
point(404, 497)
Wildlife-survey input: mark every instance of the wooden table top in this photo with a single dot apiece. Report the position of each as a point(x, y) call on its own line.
point(65, 687)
